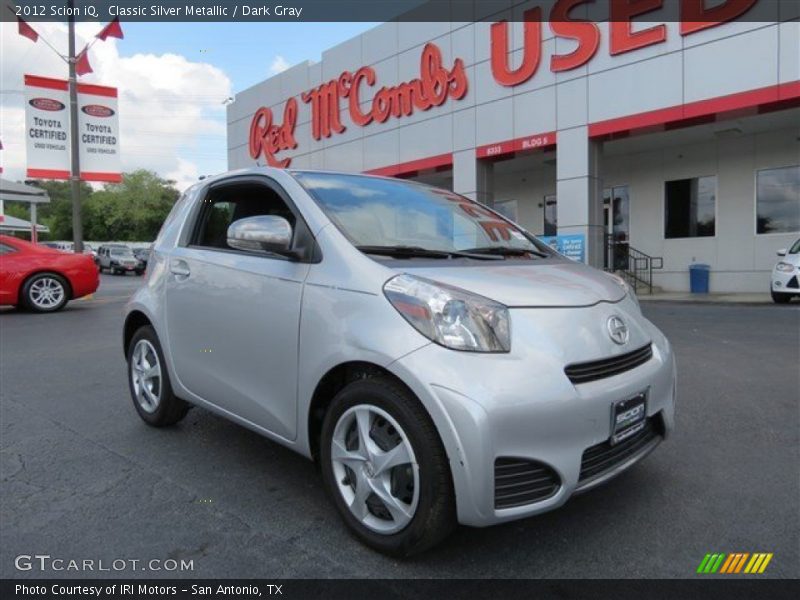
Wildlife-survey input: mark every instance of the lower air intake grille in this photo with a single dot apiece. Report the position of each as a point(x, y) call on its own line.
point(606, 367)
point(518, 481)
point(792, 283)
point(603, 457)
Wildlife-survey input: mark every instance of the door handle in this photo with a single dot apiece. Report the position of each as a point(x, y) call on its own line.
point(179, 268)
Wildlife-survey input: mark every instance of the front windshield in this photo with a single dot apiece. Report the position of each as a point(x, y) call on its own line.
point(121, 252)
point(796, 248)
point(373, 211)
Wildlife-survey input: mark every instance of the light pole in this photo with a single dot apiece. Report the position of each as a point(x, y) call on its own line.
point(75, 171)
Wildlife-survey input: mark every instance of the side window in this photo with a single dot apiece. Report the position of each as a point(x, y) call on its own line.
point(229, 203)
point(5, 249)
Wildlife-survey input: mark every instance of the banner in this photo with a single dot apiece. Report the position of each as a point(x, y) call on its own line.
point(47, 127)
point(47, 130)
point(572, 246)
point(98, 133)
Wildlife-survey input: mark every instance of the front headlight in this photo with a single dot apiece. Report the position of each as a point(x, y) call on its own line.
point(784, 267)
point(450, 316)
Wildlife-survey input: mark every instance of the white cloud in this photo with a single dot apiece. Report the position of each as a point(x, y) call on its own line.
point(172, 120)
point(185, 175)
point(279, 65)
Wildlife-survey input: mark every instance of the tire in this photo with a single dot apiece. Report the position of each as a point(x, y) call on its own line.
point(427, 510)
point(779, 298)
point(45, 292)
point(155, 402)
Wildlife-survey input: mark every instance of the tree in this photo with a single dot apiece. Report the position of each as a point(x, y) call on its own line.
point(129, 211)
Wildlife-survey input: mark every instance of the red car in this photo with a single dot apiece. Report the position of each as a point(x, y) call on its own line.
point(42, 279)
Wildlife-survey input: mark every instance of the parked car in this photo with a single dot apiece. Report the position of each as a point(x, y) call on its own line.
point(142, 255)
point(63, 246)
point(89, 249)
point(43, 279)
point(785, 275)
point(118, 259)
point(441, 364)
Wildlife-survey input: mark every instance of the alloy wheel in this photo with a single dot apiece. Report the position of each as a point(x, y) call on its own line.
point(146, 375)
point(375, 468)
point(46, 293)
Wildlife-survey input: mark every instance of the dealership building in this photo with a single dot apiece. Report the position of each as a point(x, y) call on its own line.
point(639, 145)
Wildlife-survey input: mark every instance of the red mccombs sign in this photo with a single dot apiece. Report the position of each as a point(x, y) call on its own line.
point(437, 83)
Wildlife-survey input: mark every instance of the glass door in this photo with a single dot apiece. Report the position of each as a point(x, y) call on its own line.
point(616, 218)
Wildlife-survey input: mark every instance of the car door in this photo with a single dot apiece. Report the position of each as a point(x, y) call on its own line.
point(233, 316)
point(10, 265)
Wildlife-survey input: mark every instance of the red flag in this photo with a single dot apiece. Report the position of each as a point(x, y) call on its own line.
point(26, 30)
point(113, 29)
point(82, 66)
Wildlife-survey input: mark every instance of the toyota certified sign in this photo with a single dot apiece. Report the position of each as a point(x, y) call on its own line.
point(47, 129)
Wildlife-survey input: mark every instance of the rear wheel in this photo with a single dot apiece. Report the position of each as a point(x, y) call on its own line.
point(149, 383)
point(779, 298)
point(45, 292)
point(384, 466)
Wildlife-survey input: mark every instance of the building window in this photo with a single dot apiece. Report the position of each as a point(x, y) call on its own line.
point(778, 200)
point(690, 207)
point(550, 215)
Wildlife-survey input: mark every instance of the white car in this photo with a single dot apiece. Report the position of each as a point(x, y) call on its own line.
point(786, 275)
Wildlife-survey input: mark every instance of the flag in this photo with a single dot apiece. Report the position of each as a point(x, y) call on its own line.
point(26, 30)
point(82, 66)
point(113, 29)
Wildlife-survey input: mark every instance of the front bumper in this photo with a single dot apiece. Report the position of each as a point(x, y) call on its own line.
point(521, 405)
point(783, 282)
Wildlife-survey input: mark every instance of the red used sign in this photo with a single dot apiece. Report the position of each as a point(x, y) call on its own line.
point(437, 83)
point(694, 17)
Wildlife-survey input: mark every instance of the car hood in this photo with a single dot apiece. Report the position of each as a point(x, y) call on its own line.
point(528, 284)
point(792, 259)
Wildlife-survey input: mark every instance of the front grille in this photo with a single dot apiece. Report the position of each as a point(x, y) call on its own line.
point(603, 457)
point(518, 481)
point(606, 367)
point(792, 283)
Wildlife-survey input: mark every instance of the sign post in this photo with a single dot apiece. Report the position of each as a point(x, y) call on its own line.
point(75, 170)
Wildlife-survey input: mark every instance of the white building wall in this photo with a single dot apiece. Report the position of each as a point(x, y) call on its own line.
point(730, 58)
point(740, 259)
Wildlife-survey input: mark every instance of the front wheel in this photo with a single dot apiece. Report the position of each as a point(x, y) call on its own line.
point(385, 468)
point(45, 292)
point(778, 298)
point(149, 383)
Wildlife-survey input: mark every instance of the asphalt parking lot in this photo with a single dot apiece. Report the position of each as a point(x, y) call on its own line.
point(83, 477)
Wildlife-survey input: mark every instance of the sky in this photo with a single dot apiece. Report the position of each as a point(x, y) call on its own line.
point(173, 79)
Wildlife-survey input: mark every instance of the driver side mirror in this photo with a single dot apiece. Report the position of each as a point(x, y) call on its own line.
point(781, 252)
point(264, 233)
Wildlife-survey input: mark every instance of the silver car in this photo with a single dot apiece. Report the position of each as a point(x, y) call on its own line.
point(440, 363)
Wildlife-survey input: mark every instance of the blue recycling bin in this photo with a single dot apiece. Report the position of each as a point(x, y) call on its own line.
point(698, 278)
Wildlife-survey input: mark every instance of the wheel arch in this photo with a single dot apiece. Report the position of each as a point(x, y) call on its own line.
point(336, 379)
point(133, 322)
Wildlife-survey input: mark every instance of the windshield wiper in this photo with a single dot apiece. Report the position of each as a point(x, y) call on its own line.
point(506, 251)
point(420, 252)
